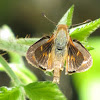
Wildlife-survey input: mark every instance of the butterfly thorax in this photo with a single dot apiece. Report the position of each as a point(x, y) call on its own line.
point(61, 37)
point(60, 48)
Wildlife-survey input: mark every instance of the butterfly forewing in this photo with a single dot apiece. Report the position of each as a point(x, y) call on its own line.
point(79, 59)
point(30, 56)
point(75, 58)
point(43, 52)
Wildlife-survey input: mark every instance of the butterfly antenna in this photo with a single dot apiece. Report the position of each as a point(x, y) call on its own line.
point(87, 21)
point(49, 19)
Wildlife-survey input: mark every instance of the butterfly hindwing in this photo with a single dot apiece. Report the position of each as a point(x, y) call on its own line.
point(38, 54)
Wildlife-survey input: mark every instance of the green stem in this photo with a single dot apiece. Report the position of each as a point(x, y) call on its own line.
point(9, 71)
point(27, 41)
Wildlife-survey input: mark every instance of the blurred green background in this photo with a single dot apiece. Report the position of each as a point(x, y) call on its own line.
point(24, 17)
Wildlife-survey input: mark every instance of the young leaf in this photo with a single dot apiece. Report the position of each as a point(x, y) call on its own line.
point(82, 32)
point(67, 18)
point(6, 30)
point(44, 91)
point(9, 93)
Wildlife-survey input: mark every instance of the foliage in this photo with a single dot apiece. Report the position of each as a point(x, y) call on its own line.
point(44, 91)
point(9, 93)
point(25, 82)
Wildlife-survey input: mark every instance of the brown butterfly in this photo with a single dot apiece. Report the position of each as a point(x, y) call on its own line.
point(51, 53)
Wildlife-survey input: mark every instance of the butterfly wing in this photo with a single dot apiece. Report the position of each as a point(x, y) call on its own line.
point(79, 59)
point(38, 53)
point(87, 63)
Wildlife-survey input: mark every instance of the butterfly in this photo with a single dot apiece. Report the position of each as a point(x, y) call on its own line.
point(51, 53)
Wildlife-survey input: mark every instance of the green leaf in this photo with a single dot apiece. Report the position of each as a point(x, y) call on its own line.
point(44, 91)
point(86, 45)
point(12, 46)
point(67, 18)
point(89, 47)
point(82, 32)
point(6, 30)
point(9, 93)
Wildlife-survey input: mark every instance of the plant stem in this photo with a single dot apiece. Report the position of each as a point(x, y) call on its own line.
point(9, 71)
